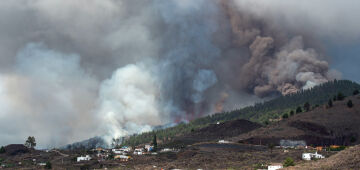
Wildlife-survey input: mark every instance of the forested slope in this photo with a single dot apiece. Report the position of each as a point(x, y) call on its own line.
point(260, 112)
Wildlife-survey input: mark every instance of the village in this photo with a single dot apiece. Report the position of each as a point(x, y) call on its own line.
point(148, 156)
point(128, 154)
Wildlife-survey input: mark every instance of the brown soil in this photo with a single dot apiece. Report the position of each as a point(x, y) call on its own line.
point(321, 126)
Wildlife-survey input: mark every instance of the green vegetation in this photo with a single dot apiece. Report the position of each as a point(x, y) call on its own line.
point(30, 142)
point(340, 96)
point(350, 104)
point(340, 148)
point(307, 106)
point(2, 150)
point(356, 92)
point(259, 112)
point(155, 143)
point(285, 116)
point(48, 165)
point(271, 147)
point(298, 109)
point(330, 103)
point(289, 162)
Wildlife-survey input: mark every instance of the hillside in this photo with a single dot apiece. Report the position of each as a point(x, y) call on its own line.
point(260, 112)
point(321, 126)
point(346, 159)
point(214, 132)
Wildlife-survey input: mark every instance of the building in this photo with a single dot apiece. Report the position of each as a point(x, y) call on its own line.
point(83, 158)
point(309, 156)
point(122, 157)
point(275, 166)
point(292, 143)
point(317, 156)
point(223, 141)
point(149, 147)
point(138, 151)
point(118, 151)
point(126, 149)
point(306, 156)
point(319, 148)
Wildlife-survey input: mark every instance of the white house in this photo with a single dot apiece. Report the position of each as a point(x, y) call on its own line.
point(138, 151)
point(309, 156)
point(275, 166)
point(223, 141)
point(83, 158)
point(317, 156)
point(118, 151)
point(306, 156)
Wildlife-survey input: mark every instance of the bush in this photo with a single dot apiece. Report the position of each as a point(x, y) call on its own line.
point(353, 139)
point(48, 165)
point(289, 162)
point(298, 110)
point(291, 113)
point(307, 106)
point(356, 92)
point(350, 104)
point(330, 103)
point(340, 96)
point(2, 150)
point(285, 116)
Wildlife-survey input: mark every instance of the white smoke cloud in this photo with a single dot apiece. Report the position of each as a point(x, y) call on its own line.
point(49, 96)
point(128, 102)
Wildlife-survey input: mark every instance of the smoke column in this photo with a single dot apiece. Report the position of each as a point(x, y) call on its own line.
point(71, 70)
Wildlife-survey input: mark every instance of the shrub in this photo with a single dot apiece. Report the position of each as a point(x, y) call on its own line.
point(298, 110)
point(356, 92)
point(289, 162)
point(307, 106)
point(291, 113)
point(285, 116)
point(330, 103)
point(350, 104)
point(2, 150)
point(353, 139)
point(48, 165)
point(340, 96)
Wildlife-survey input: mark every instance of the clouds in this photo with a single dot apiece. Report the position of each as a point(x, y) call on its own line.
point(331, 19)
point(75, 69)
point(48, 95)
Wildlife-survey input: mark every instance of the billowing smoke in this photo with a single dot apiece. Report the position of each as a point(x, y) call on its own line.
point(77, 69)
point(128, 102)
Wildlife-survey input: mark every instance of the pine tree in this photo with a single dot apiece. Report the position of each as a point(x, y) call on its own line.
point(330, 103)
point(298, 110)
point(350, 104)
point(356, 92)
point(285, 116)
point(155, 143)
point(30, 142)
point(289, 162)
point(291, 112)
point(307, 106)
point(340, 96)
